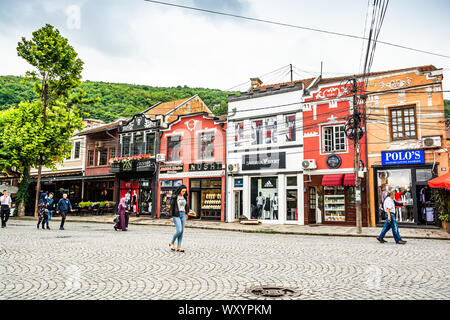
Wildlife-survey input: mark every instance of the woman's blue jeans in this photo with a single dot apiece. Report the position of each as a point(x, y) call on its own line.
point(179, 222)
point(388, 225)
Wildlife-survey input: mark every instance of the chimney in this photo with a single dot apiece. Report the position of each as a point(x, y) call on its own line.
point(256, 82)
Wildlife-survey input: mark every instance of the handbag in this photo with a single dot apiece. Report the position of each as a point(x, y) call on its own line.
point(116, 220)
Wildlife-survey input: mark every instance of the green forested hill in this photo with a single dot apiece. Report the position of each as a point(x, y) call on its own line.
point(117, 99)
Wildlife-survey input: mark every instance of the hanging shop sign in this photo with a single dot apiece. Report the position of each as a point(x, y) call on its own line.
point(402, 157)
point(239, 183)
point(276, 160)
point(333, 161)
point(171, 168)
point(208, 166)
point(145, 165)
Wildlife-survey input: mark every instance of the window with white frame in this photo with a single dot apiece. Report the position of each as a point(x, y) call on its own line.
point(174, 148)
point(334, 138)
point(77, 150)
point(270, 130)
point(239, 133)
point(264, 131)
point(290, 128)
point(257, 132)
point(206, 146)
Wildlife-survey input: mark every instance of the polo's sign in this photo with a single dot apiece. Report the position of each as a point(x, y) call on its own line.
point(402, 157)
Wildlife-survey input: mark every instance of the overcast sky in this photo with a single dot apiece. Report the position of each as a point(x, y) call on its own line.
point(138, 42)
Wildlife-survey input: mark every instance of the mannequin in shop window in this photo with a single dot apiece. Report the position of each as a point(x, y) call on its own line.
point(398, 207)
point(267, 208)
point(127, 200)
point(259, 205)
point(275, 206)
point(134, 201)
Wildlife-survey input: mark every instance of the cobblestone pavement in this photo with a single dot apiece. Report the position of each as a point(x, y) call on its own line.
point(92, 261)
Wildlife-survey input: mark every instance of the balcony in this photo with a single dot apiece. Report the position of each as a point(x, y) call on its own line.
point(133, 165)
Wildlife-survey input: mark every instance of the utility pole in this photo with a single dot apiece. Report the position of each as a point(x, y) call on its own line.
point(354, 132)
point(292, 79)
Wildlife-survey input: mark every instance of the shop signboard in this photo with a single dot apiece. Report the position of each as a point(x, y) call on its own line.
point(276, 160)
point(208, 166)
point(145, 165)
point(171, 168)
point(239, 183)
point(402, 157)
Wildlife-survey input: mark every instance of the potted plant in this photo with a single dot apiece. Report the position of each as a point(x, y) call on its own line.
point(442, 198)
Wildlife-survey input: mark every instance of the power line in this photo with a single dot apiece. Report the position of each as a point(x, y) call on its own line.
point(293, 26)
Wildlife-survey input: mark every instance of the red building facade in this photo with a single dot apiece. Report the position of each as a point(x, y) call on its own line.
point(194, 150)
point(329, 178)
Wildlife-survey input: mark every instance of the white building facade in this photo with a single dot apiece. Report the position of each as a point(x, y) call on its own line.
point(264, 155)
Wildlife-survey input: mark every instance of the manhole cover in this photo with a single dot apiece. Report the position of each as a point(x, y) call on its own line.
point(273, 292)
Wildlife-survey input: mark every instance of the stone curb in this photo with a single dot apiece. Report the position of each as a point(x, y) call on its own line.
point(270, 231)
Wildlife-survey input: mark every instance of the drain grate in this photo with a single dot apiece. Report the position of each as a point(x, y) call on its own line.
point(273, 292)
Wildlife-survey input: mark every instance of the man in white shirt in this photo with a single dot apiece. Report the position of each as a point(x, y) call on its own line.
point(389, 208)
point(5, 202)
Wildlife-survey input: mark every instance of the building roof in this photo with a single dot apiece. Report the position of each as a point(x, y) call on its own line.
point(165, 107)
point(100, 128)
point(307, 82)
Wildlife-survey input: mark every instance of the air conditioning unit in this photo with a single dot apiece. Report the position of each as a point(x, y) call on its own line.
point(160, 157)
point(431, 142)
point(309, 164)
point(98, 144)
point(233, 167)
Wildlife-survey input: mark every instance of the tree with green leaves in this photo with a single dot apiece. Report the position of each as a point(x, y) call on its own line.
point(56, 73)
point(25, 142)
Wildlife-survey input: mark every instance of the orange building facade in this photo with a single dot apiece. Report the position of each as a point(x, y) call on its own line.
point(406, 142)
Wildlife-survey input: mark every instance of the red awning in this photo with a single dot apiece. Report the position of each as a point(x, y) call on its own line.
point(440, 182)
point(331, 180)
point(349, 180)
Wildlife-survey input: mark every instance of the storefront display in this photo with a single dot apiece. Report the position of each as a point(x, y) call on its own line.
point(206, 198)
point(138, 194)
point(167, 189)
point(264, 198)
point(412, 197)
point(399, 182)
point(334, 204)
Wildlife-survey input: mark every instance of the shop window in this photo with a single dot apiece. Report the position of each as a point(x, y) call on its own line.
point(173, 148)
point(403, 124)
point(126, 141)
point(334, 200)
point(139, 146)
point(291, 205)
point(334, 139)
point(423, 174)
point(271, 130)
point(195, 184)
point(290, 128)
point(206, 146)
point(398, 181)
point(102, 157)
point(91, 158)
point(257, 131)
point(150, 143)
point(291, 181)
point(77, 150)
point(264, 198)
point(239, 133)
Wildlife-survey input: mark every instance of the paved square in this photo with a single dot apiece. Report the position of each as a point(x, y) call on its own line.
point(92, 261)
